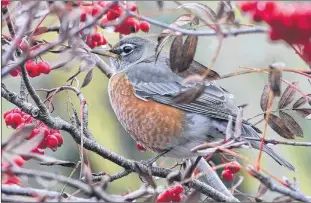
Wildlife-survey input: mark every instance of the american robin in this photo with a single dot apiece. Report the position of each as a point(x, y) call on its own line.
point(141, 93)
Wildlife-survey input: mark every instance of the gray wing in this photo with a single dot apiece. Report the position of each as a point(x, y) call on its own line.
point(156, 82)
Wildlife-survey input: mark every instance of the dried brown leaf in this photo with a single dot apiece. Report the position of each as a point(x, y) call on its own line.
point(262, 189)
point(303, 112)
point(220, 10)
point(160, 4)
point(301, 101)
point(287, 96)
point(176, 53)
point(291, 124)
point(197, 68)
point(160, 45)
point(188, 50)
point(265, 97)
point(88, 78)
point(189, 95)
point(275, 82)
point(279, 126)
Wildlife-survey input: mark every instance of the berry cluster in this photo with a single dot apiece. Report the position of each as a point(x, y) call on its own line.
point(52, 139)
point(33, 69)
point(127, 26)
point(173, 194)
point(230, 169)
point(288, 22)
point(94, 40)
point(8, 177)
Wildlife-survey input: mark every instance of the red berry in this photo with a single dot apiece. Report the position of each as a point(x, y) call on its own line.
point(83, 16)
point(52, 142)
point(5, 3)
point(44, 67)
point(12, 180)
point(163, 197)
point(102, 41)
point(178, 189)
point(140, 147)
point(96, 10)
point(32, 69)
point(92, 44)
point(114, 12)
point(18, 160)
point(6, 113)
point(247, 6)
point(176, 198)
point(131, 6)
point(144, 26)
point(8, 119)
point(234, 167)
point(96, 37)
point(16, 119)
point(59, 139)
point(14, 73)
point(227, 175)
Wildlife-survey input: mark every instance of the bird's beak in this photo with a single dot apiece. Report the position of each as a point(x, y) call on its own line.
point(110, 53)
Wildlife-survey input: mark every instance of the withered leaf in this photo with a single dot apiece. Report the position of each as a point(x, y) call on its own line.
point(303, 112)
point(189, 49)
point(160, 46)
point(160, 4)
point(176, 53)
point(88, 78)
point(301, 101)
point(279, 126)
point(287, 96)
point(201, 10)
point(265, 97)
point(220, 10)
point(193, 197)
point(195, 68)
point(291, 124)
point(282, 198)
point(262, 189)
point(275, 81)
point(189, 95)
point(275, 77)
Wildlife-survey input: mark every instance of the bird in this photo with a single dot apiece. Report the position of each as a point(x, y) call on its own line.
point(141, 93)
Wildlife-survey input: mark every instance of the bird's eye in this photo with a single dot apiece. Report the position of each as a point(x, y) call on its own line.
point(127, 49)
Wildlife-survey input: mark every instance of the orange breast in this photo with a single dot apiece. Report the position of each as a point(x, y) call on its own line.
point(150, 123)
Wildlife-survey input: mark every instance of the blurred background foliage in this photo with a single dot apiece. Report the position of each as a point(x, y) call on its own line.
point(253, 50)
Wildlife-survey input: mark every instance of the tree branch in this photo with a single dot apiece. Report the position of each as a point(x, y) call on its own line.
point(273, 187)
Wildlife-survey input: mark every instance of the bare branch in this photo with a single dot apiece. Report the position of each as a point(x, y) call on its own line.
point(273, 187)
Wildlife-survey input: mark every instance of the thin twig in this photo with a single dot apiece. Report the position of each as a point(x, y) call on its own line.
point(273, 187)
point(276, 142)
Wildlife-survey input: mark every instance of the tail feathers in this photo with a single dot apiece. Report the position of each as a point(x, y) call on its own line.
point(251, 132)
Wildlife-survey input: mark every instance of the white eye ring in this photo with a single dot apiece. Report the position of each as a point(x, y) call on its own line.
point(127, 49)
